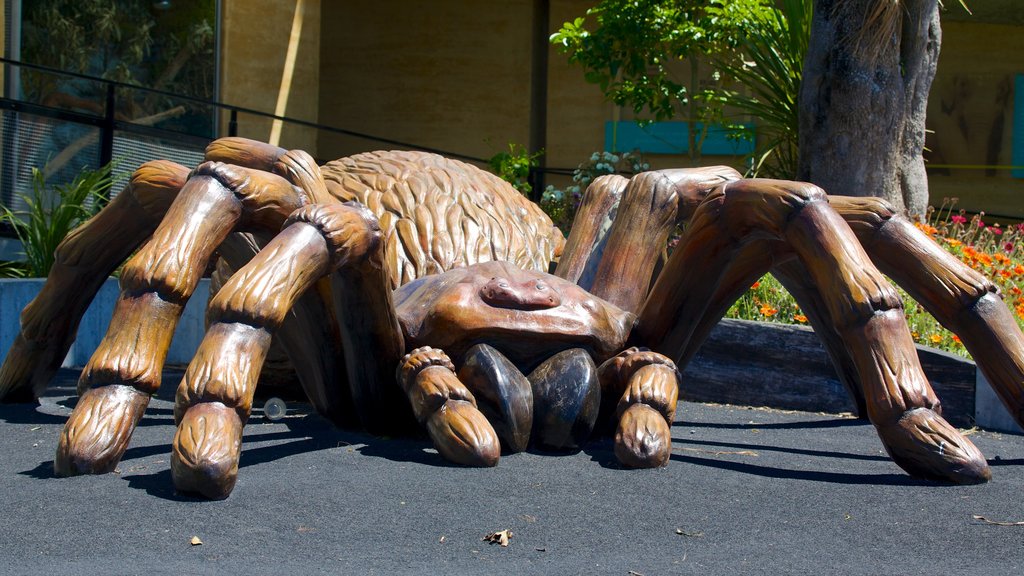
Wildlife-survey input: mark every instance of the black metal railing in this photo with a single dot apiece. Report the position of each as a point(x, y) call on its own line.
point(97, 121)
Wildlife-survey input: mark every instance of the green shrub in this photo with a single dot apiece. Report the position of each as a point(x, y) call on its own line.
point(561, 205)
point(51, 215)
point(514, 166)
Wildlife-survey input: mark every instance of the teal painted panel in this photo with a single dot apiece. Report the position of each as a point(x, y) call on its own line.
point(671, 138)
point(1018, 126)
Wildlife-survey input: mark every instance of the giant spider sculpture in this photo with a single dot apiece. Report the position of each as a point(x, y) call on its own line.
point(409, 288)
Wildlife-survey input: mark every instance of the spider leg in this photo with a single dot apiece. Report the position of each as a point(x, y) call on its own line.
point(309, 337)
point(443, 404)
point(963, 300)
point(84, 260)
point(124, 372)
point(215, 397)
point(864, 310)
point(622, 227)
point(646, 216)
point(594, 218)
point(646, 386)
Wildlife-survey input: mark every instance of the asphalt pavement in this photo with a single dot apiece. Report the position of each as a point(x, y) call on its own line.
point(748, 491)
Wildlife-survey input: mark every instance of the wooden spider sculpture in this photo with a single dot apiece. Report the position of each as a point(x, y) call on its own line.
point(409, 288)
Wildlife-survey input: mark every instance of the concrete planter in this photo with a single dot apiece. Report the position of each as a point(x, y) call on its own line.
point(762, 364)
point(15, 294)
point(742, 362)
point(989, 410)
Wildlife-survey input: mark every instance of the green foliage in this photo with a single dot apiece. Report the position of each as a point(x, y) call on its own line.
point(122, 40)
point(52, 214)
point(771, 69)
point(561, 205)
point(635, 49)
point(514, 166)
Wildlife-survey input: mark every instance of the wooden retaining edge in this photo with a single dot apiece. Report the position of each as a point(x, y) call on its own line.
point(781, 366)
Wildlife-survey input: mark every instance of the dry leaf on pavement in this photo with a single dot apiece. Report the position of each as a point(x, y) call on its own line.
point(501, 537)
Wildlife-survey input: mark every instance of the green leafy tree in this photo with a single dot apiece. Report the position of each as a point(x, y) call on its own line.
point(134, 42)
point(654, 55)
point(770, 72)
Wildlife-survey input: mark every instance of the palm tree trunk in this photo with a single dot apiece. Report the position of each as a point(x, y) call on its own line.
point(869, 68)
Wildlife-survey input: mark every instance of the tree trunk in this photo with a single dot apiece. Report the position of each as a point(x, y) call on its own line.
point(864, 96)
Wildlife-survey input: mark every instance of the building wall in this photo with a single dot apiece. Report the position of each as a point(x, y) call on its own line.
point(255, 40)
point(452, 76)
point(455, 76)
point(970, 115)
point(436, 74)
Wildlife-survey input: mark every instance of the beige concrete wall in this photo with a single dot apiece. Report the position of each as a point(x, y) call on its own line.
point(255, 40)
point(970, 114)
point(577, 110)
point(447, 74)
point(453, 75)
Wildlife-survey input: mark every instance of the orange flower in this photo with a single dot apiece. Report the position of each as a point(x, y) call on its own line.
point(935, 338)
point(800, 318)
point(755, 285)
point(1015, 291)
point(1018, 270)
point(1005, 274)
point(957, 339)
point(915, 335)
point(767, 310)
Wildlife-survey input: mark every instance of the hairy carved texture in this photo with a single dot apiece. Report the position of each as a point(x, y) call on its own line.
point(225, 369)
point(463, 435)
point(929, 273)
point(646, 217)
point(351, 231)
point(97, 433)
point(263, 291)
point(267, 199)
point(926, 446)
point(427, 376)
point(174, 259)
point(244, 152)
point(299, 168)
point(129, 218)
point(641, 388)
point(855, 289)
point(140, 325)
point(657, 386)
point(459, 430)
point(439, 214)
point(206, 448)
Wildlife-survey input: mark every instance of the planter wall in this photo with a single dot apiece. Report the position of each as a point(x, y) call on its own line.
point(16, 294)
point(742, 362)
point(762, 364)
